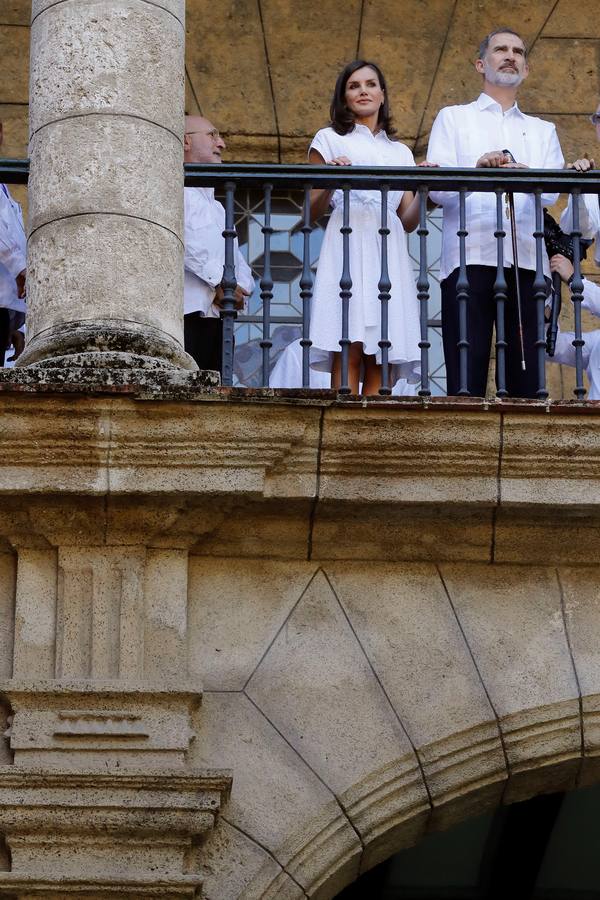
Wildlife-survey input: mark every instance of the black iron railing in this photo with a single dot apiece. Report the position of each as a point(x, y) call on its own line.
point(228, 178)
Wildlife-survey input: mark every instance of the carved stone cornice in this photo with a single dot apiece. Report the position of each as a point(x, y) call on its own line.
point(182, 887)
point(275, 474)
point(106, 833)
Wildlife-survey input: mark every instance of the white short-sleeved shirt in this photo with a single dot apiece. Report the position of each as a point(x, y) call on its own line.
point(363, 148)
point(460, 135)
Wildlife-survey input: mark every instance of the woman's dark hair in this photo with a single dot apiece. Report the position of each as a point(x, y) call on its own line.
point(342, 120)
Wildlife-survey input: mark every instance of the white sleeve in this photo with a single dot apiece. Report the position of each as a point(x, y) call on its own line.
point(564, 351)
point(322, 145)
point(587, 224)
point(11, 251)
point(204, 243)
point(591, 297)
point(553, 159)
point(442, 150)
point(243, 273)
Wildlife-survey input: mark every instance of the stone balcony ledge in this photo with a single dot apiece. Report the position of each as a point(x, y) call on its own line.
point(296, 474)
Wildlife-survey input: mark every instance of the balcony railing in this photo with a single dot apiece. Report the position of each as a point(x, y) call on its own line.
point(267, 179)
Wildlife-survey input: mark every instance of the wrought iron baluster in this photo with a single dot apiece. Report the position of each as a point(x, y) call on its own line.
point(306, 286)
point(500, 296)
point(540, 292)
point(384, 288)
point(423, 291)
point(345, 290)
point(229, 284)
point(462, 295)
point(577, 296)
point(266, 289)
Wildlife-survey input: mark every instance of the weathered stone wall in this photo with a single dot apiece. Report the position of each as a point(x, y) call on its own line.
point(265, 71)
point(362, 704)
point(379, 619)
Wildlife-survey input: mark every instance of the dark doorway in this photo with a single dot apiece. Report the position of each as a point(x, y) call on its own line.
point(547, 848)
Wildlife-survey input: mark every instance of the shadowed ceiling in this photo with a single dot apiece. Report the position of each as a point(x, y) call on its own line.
point(264, 70)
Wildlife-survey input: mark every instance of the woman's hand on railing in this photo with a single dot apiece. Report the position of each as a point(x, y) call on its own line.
point(340, 161)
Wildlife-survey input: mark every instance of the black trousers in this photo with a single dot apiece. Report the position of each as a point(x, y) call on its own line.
point(4, 333)
point(203, 340)
point(481, 315)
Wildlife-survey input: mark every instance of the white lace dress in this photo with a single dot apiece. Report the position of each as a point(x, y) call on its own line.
point(365, 149)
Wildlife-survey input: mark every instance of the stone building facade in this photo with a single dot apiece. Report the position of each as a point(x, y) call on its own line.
point(251, 644)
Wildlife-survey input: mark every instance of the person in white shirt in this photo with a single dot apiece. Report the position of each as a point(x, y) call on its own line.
point(589, 225)
point(361, 133)
point(465, 136)
point(204, 222)
point(564, 353)
point(13, 247)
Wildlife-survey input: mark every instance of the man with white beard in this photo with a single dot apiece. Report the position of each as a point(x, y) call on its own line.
point(465, 136)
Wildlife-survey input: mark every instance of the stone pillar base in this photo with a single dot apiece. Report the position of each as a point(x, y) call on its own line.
point(104, 342)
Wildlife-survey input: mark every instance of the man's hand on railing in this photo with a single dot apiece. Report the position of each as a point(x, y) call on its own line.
point(239, 294)
point(582, 165)
point(21, 283)
point(340, 161)
point(563, 266)
point(495, 159)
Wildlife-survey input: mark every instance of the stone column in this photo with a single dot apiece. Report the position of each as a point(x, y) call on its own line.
point(105, 266)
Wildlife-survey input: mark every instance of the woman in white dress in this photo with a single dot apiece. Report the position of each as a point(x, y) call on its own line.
point(361, 134)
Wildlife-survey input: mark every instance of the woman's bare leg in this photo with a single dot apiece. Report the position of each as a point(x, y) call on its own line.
point(354, 360)
point(372, 381)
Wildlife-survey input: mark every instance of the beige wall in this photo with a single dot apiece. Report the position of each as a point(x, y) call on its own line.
point(265, 70)
point(378, 619)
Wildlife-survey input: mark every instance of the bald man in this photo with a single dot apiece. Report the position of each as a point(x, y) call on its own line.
point(205, 252)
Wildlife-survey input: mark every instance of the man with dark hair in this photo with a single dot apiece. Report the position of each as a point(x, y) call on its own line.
point(13, 244)
point(484, 45)
point(464, 136)
point(204, 222)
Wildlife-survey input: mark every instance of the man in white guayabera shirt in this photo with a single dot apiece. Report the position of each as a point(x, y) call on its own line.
point(13, 246)
point(204, 221)
point(476, 134)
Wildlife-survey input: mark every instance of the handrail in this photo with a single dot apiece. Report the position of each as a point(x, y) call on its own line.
point(14, 171)
point(403, 178)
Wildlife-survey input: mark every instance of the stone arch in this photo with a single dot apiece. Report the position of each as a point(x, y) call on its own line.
point(362, 705)
point(320, 856)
